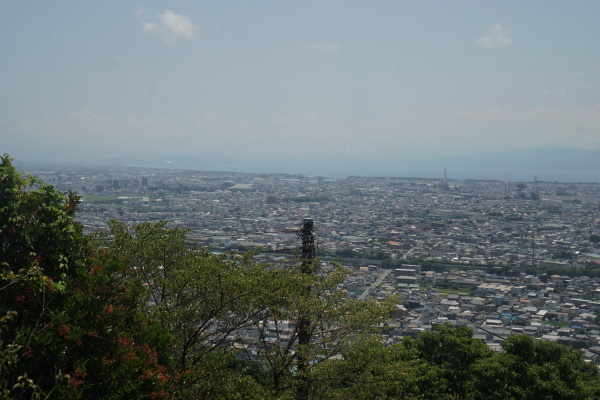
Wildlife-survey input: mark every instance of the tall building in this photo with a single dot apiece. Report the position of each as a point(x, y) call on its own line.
point(444, 184)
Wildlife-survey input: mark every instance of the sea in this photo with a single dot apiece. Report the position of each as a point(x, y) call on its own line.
point(492, 174)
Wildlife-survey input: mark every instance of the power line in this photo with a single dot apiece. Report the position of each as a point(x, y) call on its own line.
point(491, 333)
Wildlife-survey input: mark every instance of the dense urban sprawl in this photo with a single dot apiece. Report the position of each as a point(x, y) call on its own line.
point(499, 257)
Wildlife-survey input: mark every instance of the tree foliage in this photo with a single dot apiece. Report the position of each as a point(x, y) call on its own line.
point(213, 304)
point(71, 324)
point(201, 298)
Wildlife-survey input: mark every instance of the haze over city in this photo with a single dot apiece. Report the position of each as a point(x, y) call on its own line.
point(153, 80)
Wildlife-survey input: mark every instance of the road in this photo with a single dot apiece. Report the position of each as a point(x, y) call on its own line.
point(375, 284)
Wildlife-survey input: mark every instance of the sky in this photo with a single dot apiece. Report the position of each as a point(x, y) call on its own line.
point(83, 81)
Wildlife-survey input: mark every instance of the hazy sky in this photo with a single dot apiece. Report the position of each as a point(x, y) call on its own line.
point(87, 80)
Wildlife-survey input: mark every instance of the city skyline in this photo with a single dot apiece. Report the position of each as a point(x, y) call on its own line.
point(393, 79)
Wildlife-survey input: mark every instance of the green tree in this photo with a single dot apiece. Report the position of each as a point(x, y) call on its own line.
point(451, 352)
point(495, 378)
point(71, 322)
point(370, 370)
point(336, 323)
point(449, 364)
point(202, 299)
point(547, 370)
point(217, 306)
point(40, 246)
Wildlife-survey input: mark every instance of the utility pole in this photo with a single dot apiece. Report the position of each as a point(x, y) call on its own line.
point(304, 320)
point(308, 243)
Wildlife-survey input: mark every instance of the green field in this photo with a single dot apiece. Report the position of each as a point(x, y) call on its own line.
point(556, 323)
